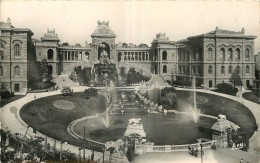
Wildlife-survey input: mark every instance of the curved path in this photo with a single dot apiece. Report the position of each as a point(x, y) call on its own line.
point(11, 121)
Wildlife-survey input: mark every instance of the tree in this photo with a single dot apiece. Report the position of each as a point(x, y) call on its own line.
point(92, 92)
point(172, 77)
point(168, 98)
point(44, 69)
point(124, 45)
point(142, 46)
point(77, 45)
point(235, 78)
point(65, 44)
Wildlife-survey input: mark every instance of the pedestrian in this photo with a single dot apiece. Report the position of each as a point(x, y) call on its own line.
point(92, 156)
point(241, 161)
point(35, 96)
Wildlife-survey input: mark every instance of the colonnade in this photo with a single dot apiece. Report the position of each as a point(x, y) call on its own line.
point(134, 56)
point(72, 55)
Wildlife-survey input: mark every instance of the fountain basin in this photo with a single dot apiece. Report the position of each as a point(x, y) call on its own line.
point(171, 129)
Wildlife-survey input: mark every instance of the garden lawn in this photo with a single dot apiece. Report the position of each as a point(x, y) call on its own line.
point(42, 115)
point(252, 96)
point(234, 111)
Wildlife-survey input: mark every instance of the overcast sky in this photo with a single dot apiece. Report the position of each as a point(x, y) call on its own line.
point(133, 21)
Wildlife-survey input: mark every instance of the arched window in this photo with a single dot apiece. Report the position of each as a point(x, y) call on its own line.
point(164, 69)
point(87, 55)
point(164, 55)
point(222, 54)
point(50, 54)
point(222, 70)
point(17, 50)
point(230, 69)
point(238, 54)
point(247, 52)
point(1, 71)
point(119, 56)
point(210, 57)
point(1, 51)
point(247, 69)
point(230, 54)
point(17, 70)
point(210, 70)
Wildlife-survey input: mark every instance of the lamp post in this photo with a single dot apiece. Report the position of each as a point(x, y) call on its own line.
point(103, 154)
point(201, 152)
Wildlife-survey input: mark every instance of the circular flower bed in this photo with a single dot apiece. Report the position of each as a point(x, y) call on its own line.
point(64, 104)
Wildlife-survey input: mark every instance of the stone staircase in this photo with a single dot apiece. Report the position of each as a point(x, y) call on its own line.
point(157, 79)
point(67, 70)
point(65, 81)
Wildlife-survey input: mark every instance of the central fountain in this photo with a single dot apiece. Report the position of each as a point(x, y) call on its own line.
point(194, 109)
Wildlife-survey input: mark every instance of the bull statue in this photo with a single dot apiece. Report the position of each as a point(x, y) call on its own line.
point(118, 145)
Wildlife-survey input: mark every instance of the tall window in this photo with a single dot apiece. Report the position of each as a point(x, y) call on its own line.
point(183, 69)
point(238, 69)
point(222, 54)
point(199, 70)
point(247, 69)
point(17, 50)
point(210, 83)
point(230, 69)
point(179, 68)
point(194, 54)
point(1, 71)
point(188, 69)
point(164, 69)
point(50, 54)
point(247, 54)
point(230, 54)
point(238, 54)
point(1, 51)
point(164, 55)
point(194, 69)
point(222, 70)
point(17, 70)
point(210, 57)
point(200, 54)
point(210, 70)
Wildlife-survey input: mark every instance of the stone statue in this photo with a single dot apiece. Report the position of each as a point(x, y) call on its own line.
point(118, 145)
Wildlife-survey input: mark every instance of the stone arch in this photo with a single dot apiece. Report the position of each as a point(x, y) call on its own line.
point(102, 49)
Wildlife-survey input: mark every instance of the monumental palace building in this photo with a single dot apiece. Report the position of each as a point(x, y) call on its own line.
point(210, 57)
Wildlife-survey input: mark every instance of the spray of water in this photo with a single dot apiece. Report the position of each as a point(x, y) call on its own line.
point(195, 110)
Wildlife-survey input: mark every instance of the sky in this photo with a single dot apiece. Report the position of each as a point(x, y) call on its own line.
point(132, 21)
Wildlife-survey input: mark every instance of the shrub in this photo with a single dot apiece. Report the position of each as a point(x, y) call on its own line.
point(42, 85)
point(66, 91)
point(6, 94)
point(168, 98)
point(250, 87)
point(226, 89)
point(92, 92)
